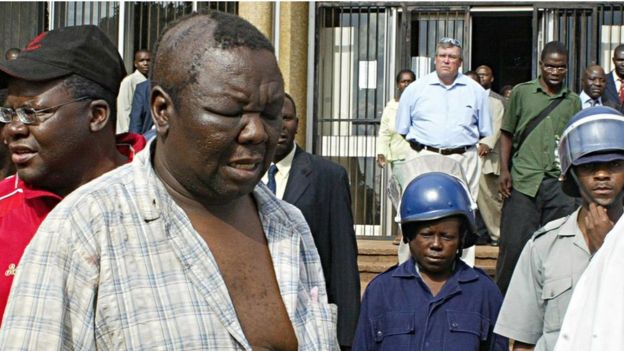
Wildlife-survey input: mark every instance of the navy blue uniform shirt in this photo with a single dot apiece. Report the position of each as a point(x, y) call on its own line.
point(399, 313)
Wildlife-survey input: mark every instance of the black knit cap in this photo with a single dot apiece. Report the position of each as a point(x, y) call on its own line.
point(82, 50)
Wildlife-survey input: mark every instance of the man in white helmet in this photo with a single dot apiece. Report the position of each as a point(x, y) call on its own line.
point(553, 260)
point(594, 319)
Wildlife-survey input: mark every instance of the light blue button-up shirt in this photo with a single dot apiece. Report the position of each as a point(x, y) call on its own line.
point(434, 114)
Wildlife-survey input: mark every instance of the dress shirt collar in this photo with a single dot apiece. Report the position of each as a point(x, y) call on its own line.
point(462, 271)
point(585, 99)
point(538, 88)
point(284, 165)
point(617, 80)
point(570, 228)
point(433, 79)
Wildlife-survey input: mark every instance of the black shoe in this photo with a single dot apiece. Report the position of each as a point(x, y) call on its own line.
point(494, 242)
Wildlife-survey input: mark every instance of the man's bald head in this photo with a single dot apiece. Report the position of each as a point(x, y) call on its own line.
point(486, 77)
point(197, 35)
point(594, 81)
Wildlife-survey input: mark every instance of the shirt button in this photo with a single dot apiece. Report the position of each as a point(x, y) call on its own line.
point(454, 325)
point(379, 333)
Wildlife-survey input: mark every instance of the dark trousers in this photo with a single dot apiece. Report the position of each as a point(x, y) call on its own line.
point(522, 215)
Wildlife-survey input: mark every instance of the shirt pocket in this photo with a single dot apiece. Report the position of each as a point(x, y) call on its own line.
point(556, 295)
point(394, 330)
point(466, 330)
point(321, 326)
point(469, 115)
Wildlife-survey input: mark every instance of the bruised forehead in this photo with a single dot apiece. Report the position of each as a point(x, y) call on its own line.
point(188, 44)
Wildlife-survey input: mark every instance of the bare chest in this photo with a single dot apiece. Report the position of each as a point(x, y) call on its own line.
point(247, 269)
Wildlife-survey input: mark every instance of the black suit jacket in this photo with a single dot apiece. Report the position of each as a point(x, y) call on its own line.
point(140, 115)
point(611, 97)
point(320, 189)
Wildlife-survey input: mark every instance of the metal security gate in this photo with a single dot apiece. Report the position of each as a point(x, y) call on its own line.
point(22, 22)
point(610, 31)
point(575, 26)
point(359, 49)
point(141, 26)
point(426, 26)
point(354, 80)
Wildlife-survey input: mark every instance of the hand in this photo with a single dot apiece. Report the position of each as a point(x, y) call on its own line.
point(483, 149)
point(597, 225)
point(504, 183)
point(381, 160)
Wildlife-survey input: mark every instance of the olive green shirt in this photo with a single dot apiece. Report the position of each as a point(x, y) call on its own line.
point(537, 156)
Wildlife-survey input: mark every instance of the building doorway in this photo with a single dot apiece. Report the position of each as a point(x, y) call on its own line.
point(503, 41)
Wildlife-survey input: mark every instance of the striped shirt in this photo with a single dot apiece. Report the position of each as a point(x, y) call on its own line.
point(117, 265)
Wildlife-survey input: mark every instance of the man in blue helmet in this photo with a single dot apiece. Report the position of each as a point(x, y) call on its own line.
point(433, 301)
point(592, 168)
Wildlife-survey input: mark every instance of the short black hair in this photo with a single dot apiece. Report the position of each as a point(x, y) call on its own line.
point(141, 51)
point(228, 32)
point(287, 96)
point(403, 71)
point(506, 87)
point(553, 47)
point(78, 86)
point(618, 48)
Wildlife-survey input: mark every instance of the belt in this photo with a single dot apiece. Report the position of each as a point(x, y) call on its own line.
point(458, 150)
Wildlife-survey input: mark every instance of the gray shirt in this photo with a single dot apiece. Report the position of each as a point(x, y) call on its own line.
point(549, 268)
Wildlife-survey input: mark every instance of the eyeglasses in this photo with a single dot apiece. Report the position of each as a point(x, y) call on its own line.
point(550, 68)
point(451, 41)
point(28, 115)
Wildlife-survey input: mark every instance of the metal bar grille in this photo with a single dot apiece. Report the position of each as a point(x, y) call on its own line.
point(74, 13)
point(351, 74)
point(23, 21)
point(575, 28)
point(428, 26)
point(610, 31)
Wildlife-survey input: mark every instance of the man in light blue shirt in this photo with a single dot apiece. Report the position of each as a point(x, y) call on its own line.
point(447, 113)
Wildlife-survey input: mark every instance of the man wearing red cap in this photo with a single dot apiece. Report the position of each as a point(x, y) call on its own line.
point(59, 124)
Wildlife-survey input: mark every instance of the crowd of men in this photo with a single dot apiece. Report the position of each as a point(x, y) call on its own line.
point(172, 208)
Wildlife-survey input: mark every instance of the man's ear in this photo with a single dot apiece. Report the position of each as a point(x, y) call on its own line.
point(100, 114)
point(162, 108)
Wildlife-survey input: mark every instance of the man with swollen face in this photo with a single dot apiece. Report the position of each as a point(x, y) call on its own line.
point(553, 260)
point(532, 126)
point(593, 81)
point(183, 249)
point(433, 301)
point(320, 189)
point(58, 122)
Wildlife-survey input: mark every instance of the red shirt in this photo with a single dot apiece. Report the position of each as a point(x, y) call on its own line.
point(22, 209)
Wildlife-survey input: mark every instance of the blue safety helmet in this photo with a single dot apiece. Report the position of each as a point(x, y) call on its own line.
point(437, 195)
point(595, 134)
